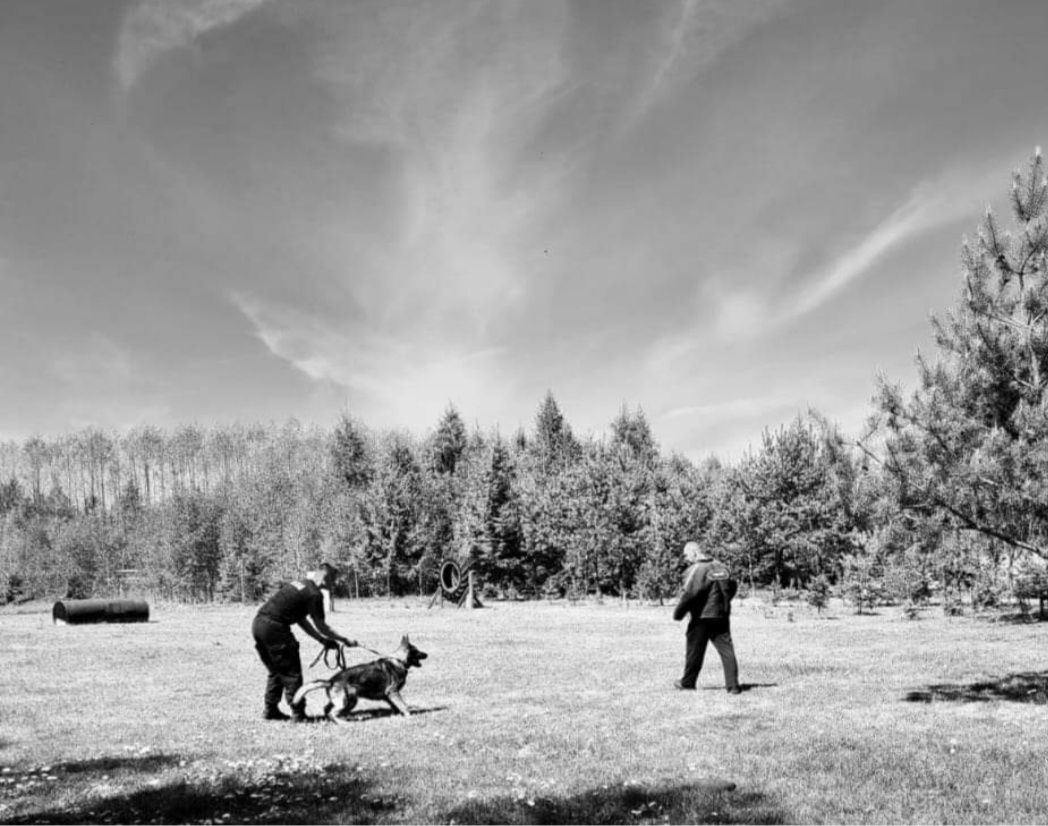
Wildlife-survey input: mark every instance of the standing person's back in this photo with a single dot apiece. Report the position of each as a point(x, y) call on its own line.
point(707, 594)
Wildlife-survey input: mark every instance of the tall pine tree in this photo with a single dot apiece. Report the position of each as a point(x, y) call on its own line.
point(969, 448)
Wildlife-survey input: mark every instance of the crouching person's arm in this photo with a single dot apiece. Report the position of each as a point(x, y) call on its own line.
point(316, 626)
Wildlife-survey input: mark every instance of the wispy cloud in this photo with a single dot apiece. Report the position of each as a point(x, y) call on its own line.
point(101, 382)
point(405, 381)
point(118, 413)
point(746, 407)
point(732, 308)
point(453, 93)
point(152, 28)
point(451, 97)
point(931, 205)
point(692, 35)
point(98, 363)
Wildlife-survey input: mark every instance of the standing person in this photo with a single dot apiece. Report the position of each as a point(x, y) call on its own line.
point(707, 595)
point(297, 603)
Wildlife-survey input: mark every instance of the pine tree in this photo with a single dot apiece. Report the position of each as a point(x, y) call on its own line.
point(554, 444)
point(449, 442)
point(633, 432)
point(792, 504)
point(969, 448)
point(352, 454)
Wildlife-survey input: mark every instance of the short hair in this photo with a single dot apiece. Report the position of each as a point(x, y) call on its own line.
point(692, 549)
point(330, 571)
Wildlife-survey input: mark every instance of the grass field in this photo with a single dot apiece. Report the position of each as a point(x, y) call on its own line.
point(532, 713)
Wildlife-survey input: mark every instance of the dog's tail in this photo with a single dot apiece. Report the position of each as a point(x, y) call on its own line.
point(308, 688)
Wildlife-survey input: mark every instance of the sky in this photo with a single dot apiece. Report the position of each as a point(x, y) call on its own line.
point(720, 212)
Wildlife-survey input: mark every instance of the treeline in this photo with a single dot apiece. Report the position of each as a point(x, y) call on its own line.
point(945, 493)
point(225, 513)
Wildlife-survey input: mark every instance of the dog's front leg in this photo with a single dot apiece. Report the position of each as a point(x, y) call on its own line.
point(394, 699)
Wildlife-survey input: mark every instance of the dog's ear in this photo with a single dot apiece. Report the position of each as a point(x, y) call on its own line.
point(404, 640)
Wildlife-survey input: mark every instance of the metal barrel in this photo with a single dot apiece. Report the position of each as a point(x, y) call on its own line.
point(80, 611)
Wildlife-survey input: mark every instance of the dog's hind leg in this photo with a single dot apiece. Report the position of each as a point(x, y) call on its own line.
point(350, 702)
point(344, 700)
point(397, 702)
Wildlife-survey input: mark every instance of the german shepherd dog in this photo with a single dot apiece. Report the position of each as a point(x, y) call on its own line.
point(380, 679)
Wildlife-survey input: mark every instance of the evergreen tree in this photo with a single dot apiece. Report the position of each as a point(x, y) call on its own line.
point(969, 448)
point(449, 442)
point(352, 454)
point(11, 496)
point(631, 430)
point(792, 505)
point(554, 444)
point(502, 520)
point(393, 518)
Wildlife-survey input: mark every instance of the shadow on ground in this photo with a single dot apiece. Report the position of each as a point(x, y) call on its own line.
point(361, 715)
point(742, 686)
point(105, 765)
point(1026, 687)
point(333, 793)
point(1020, 618)
point(700, 802)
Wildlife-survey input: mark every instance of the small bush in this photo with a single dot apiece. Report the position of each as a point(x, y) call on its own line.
point(819, 593)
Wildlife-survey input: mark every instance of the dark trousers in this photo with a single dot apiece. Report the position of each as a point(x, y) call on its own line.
point(700, 632)
point(278, 649)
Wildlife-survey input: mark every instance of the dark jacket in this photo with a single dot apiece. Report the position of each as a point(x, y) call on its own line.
point(708, 591)
point(294, 602)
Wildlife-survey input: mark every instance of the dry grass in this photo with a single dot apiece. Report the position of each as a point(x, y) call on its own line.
point(532, 713)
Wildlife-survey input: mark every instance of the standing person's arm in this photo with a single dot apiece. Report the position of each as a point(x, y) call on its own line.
point(692, 587)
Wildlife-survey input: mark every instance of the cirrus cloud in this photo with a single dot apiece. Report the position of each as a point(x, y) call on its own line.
point(152, 28)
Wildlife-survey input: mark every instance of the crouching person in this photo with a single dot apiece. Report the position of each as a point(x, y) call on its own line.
point(297, 603)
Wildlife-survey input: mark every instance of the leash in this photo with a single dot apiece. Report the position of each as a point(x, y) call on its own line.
point(340, 656)
point(376, 653)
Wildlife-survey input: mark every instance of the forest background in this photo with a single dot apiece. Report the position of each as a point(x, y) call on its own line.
point(945, 493)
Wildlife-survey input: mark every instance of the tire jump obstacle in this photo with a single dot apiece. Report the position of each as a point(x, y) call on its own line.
point(82, 611)
point(456, 585)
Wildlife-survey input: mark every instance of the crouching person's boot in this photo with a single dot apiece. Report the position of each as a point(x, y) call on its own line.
point(271, 701)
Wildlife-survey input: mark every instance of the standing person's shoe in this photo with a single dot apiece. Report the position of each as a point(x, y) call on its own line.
point(680, 685)
point(735, 690)
point(274, 714)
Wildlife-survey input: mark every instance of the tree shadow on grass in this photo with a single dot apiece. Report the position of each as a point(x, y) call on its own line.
point(1020, 618)
point(1025, 687)
point(334, 794)
point(700, 802)
point(105, 765)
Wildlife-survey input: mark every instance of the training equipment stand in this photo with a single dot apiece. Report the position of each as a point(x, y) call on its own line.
point(454, 588)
